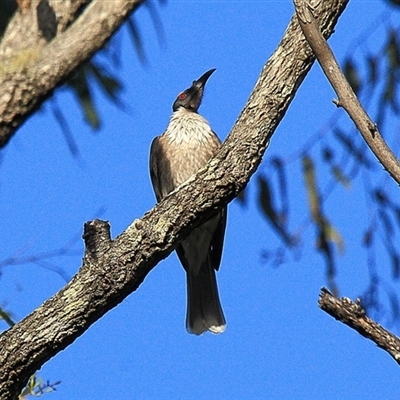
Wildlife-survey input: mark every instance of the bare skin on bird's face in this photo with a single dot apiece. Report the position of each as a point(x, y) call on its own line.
point(186, 145)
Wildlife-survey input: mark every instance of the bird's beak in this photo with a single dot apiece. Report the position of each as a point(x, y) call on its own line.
point(203, 79)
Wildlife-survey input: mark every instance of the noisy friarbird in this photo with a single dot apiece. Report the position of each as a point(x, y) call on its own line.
point(176, 155)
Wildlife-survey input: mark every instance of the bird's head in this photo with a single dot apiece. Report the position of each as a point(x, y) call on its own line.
point(191, 98)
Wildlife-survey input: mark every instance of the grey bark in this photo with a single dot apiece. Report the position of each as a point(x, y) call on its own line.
point(353, 315)
point(29, 72)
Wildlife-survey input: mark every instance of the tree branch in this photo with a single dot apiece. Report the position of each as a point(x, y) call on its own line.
point(112, 269)
point(35, 25)
point(353, 315)
point(29, 77)
point(347, 98)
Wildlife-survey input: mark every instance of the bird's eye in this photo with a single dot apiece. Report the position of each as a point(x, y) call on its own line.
point(182, 96)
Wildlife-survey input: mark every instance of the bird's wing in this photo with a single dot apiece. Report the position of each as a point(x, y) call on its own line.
point(155, 170)
point(216, 245)
point(217, 241)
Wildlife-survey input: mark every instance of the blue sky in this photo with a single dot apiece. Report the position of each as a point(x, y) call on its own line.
point(278, 344)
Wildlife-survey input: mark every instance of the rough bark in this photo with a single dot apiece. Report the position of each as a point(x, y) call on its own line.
point(29, 74)
point(112, 269)
point(37, 24)
point(353, 315)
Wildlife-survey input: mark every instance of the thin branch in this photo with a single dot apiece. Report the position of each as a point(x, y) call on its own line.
point(65, 250)
point(347, 98)
point(353, 315)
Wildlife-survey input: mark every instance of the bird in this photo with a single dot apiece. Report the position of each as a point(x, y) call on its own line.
point(186, 146)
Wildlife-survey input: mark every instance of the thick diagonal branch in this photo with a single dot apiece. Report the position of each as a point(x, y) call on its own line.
point(113, 269)
point(347, 98)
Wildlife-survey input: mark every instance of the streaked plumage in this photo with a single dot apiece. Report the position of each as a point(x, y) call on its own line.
point(186, 146)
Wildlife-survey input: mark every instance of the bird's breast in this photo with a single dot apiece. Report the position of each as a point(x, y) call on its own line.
point(189, 143)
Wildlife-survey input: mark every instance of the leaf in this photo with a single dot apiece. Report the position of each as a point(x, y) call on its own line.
point(385, 219)
point(29, 388)
point(383, 200)
point(373, 75)
point(89, 109)
point(324, 246)
point(381, 197)
point(326, 232)
point(327, 154)
point(368, 237)
point(80, 86)
point(394, 257)
point(396, 211)
point(311, 186)
point(157, 21)
point(395, 264)
point(348, 143)
point(110, 85)
point(340, 176)
point(394, 302)
point(264, 198)
point(272, 215)
point(395, 3)
point(279, 166)
point(389, 95)
point(393, 60)
point(352, 75)
point(392, 50)
point(7, 317)
point(37, 387)
point(336, 170)
point(137, 40)
point(66, 131)
point(334, 236)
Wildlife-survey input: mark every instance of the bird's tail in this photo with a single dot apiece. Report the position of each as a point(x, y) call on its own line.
point(204, 311)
